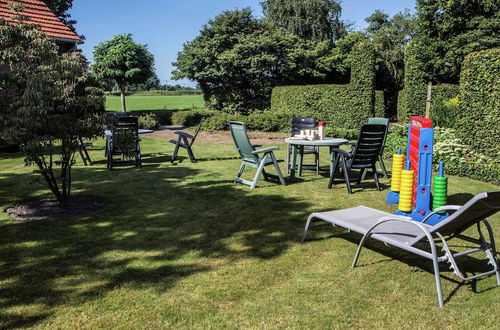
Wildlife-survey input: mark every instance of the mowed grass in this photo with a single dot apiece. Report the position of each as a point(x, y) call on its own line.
point(160, 102)
point(182, 246)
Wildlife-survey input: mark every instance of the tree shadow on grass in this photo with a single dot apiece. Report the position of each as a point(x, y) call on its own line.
point(154, 218)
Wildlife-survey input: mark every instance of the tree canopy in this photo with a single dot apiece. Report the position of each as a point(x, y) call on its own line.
point(390, 37)
point(315, 20)
point(238, 59)
point(123, 61)
point(45, 101)
point(447, 30)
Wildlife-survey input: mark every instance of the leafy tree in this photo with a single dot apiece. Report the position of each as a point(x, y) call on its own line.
point(45, 101)
point(238, 59)
point(152, 83)
point(390, 36)
point(447, 30)
point(122, 60)
point(315, 20)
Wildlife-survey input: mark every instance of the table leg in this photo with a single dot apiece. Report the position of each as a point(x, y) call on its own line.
point(294, 161)
point(301, 158)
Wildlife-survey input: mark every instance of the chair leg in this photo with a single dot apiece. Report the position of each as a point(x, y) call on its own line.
point(334, 171)
point(240, 172)
point(259, 171)
point(191, 155)
point(82, 156)
point(87, 157)
point(176, 150)
point(346, 175)
point(306, 228)
point(138, 156)
point(362, 174)
point(382, 165)
point(375, 177)
point(278, 170)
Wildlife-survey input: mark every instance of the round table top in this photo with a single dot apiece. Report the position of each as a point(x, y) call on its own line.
point(325, 142)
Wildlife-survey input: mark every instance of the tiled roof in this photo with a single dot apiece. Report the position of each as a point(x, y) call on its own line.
point(41, 15)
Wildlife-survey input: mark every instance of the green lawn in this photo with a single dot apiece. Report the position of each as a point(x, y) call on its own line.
point(182, 246)
point(161, 102)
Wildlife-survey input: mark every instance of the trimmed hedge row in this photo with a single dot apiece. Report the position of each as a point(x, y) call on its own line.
point(341, 106)
point(411, 102)
point(338, 105)
point(479, 108)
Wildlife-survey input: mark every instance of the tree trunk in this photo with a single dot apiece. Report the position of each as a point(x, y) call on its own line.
point(122, 94)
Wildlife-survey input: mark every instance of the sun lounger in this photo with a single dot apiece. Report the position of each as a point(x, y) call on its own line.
point(404, 233)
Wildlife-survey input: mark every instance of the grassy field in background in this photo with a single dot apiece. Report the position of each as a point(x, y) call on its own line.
point(136, 103)
point(181, 246)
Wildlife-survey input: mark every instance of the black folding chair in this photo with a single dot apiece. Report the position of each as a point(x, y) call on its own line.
point(82, 149)
point(298, 124)
point(364, 156)
point(124, 142)
point(185, 141)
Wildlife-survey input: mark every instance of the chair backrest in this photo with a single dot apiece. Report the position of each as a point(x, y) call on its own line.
point(370, 142)
point(242, 142)
point(197, 130)
point(125, 133)
point(476, 209)
point(299, 123)
point(380, 121)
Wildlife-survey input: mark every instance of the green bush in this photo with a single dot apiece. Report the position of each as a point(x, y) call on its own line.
point(411, 100)
point(148, 121)
point(396, 140)
point(190, 117)
point(266, 122)
point(445, 114)
point(479, 108)
point(340, 106)
point(460, 159)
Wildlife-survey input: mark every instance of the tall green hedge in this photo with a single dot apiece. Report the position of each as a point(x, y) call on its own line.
point(479, 107)
point(411, 100)
point(343, 106)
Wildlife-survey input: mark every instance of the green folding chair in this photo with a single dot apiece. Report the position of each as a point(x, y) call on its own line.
point(253, 158)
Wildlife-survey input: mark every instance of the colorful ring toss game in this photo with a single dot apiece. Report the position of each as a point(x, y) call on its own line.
point(411, 180)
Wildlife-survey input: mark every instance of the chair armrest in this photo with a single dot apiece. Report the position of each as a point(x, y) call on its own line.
point(265, 150)
point(181, 133)
point(256, 145)
point(343, 152)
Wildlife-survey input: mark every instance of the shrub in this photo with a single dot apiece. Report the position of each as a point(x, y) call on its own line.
point(445, 114)
point(190, 117)
point(396, 140)
point(461, 159)
point(341, 106)
point(267, 121)
point(479, 107)
point(220, 121)
point(411, 100)
point(148, 121)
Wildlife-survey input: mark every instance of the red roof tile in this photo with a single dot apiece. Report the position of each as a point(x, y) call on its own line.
point(41, 15)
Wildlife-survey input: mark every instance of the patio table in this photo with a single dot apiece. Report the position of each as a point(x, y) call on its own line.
point(298, 145)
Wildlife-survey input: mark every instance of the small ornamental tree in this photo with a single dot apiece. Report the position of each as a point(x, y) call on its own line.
point(122, 60)
point(46, 100)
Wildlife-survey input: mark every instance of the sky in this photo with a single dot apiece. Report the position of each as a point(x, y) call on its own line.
point(165, 25)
